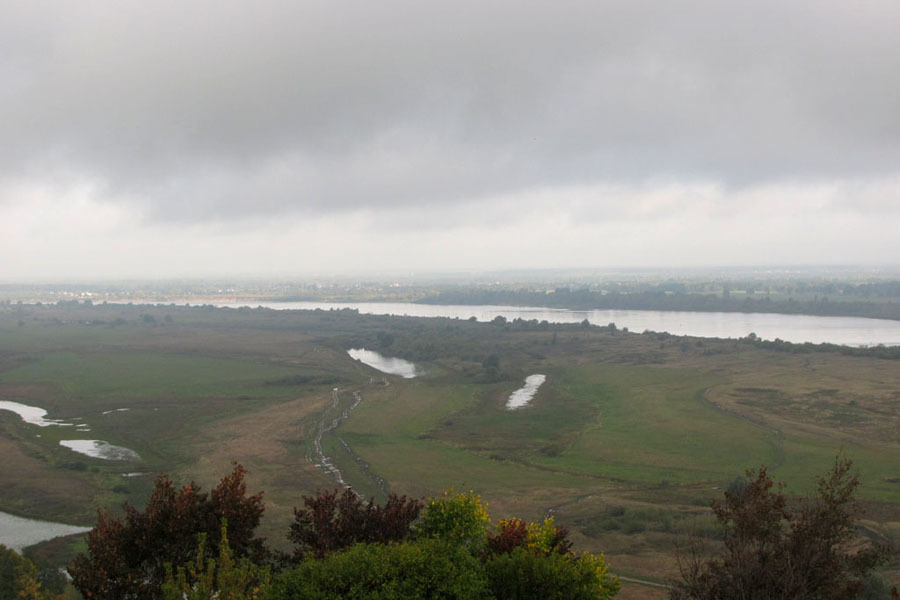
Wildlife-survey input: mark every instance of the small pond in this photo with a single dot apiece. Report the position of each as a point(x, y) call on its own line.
point(524, 394)
point(100, 449)
point(31, 414)
point(385, 364)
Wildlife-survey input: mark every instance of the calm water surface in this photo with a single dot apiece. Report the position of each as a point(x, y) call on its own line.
point(524, 394)
point(100, 449)
point(18, 532)
point(32, 414)
point(849, 331)
point(385, 364)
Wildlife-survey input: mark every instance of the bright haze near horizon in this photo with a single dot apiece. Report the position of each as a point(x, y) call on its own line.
point(172, 139)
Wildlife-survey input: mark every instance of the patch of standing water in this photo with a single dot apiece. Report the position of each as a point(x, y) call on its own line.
point(385, 364)
point(524, 394)
point(100, 449)
point(31, 414)
point(18, 532)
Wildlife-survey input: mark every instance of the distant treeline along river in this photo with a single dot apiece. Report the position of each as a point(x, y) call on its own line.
point(848, 331)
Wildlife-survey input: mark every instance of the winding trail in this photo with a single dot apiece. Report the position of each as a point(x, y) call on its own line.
point(327, 424)
point(776, 441)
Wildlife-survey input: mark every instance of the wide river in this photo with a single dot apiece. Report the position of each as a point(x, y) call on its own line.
point(849, 331)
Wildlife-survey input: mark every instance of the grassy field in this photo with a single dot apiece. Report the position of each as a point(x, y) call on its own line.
point(626, 442)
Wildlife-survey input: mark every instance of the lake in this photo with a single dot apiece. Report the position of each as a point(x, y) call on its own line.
point(848, 331)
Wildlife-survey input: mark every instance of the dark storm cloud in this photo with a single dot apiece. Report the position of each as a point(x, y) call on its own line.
point(206, 110)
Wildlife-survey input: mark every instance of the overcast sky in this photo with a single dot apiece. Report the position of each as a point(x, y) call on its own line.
point(156, 139)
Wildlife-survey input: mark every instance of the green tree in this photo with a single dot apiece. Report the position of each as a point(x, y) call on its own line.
point(428, 568)
point(534, 560)
point(525, 575)
point(19, 577)
point(216, 579)
point(491, 361)
point(459, 518)
point(385, 339)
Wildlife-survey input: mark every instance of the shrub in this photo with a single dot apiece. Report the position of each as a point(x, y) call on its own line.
point(523, 575)
point(460, 518)
point(329, 522)
point(427, 568)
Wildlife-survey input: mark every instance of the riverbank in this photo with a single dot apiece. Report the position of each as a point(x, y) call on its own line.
point(796, 329)
point(738, 303)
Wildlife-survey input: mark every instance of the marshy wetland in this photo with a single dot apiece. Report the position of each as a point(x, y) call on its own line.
point(625, 442)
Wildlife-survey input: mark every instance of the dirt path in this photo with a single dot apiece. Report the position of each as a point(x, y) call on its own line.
point(643, 582)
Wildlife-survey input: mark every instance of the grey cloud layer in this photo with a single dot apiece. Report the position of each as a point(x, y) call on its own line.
point(221, 109)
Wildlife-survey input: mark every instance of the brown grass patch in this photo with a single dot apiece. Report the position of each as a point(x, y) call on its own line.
point(269, 444)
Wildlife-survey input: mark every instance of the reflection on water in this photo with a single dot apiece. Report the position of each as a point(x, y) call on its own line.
point(385, 364)
point(31, 414)
point(100, 449)
point(18, 532)
point(849, 331)
point(524, 394)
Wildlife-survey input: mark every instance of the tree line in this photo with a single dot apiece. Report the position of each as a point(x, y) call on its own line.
point(884, 307)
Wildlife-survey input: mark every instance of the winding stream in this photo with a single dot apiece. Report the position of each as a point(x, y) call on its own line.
point(18, 532)
point(323, 426)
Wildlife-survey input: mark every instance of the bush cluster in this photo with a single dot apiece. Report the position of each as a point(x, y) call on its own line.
point(344, 547)
point(349, 548)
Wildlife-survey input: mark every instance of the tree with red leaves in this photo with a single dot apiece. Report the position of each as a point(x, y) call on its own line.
point(774, 548)
point(541, 538)
point(329, 522)
point(127, 556)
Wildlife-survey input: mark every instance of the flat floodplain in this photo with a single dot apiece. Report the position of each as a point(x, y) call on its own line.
point(625, 443)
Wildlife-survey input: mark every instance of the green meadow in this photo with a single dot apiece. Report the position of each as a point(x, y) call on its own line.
point(626, 443)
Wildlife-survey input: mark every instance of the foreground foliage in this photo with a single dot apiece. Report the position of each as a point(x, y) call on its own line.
point(774, 550)
point(345, 548)
point(523, 573)
point(422, 569)
point(19, 577)
point(328, 522)
point(127, 557)
point(220, 579)
point(457, 517)
point(451, 552)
